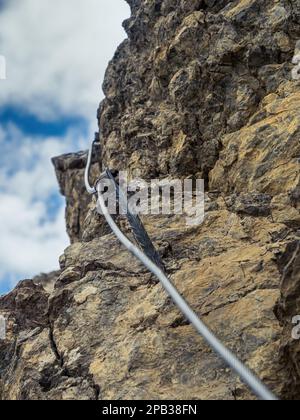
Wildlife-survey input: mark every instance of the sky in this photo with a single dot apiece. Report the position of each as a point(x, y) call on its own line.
point(56, 53)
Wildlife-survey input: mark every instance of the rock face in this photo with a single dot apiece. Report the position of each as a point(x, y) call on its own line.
point(199, 89)
point(70, 174)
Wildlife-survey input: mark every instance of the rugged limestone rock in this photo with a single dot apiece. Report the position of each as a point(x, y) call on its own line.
point(191, 72)
point(47, 281)
point(199, 89)
point(70, 174)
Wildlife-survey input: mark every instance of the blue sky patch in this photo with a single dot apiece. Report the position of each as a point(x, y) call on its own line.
point(31, 125)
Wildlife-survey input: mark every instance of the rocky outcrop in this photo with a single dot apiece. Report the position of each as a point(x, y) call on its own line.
point(70, 174)
point(191, 73)
point(199, 89)
point(47, 281)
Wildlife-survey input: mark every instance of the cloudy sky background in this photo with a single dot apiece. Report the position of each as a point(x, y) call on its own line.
point(56, 53)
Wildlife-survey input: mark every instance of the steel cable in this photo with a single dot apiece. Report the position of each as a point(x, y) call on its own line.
point(245, 374)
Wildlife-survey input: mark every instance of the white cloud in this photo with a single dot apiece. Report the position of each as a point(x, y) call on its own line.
point(25, 166)
point(30, 240)
point(57, 52)
point(27, 246)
